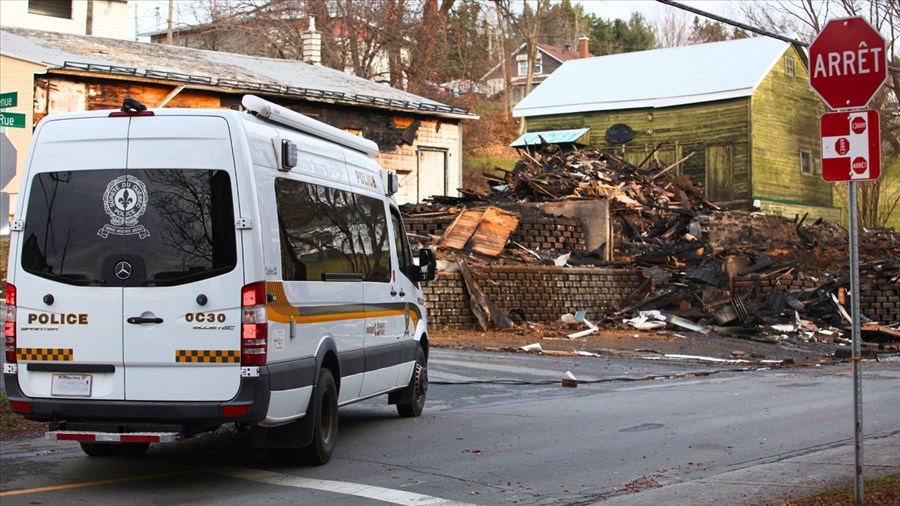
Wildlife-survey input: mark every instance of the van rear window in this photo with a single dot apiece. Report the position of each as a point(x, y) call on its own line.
point(172, 226)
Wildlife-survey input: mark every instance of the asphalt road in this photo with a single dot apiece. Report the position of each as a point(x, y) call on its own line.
point(499, 429)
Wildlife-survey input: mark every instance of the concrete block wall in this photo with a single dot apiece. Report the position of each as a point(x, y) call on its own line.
point(543, 294)
point(879, 298)
point(534, 232)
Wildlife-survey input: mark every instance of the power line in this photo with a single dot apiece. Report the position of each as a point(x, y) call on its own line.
point(743, 26)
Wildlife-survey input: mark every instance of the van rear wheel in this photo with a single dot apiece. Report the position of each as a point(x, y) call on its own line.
point(129, 450)
point(96, 449)
point(418, 388)
point(325, 421)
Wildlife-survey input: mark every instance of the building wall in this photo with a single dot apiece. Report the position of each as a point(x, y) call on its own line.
point(540, 294)
point(668, 134)
point(110, 18)
point(432, 135)
point(54, 94)
point(785, 122)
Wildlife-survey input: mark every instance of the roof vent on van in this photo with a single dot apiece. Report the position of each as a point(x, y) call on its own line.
point(297, 121)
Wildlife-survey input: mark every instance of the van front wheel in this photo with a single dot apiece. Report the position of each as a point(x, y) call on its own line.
point(325, 421)
point(418, 388)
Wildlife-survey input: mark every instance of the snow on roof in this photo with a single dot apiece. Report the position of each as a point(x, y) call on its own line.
point(655, 78)
point(253, 73)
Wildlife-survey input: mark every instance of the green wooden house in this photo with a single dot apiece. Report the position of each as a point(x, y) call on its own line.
point(743, 109)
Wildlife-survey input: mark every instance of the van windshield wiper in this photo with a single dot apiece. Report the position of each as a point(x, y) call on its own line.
point(70, 279)
point(188, 277)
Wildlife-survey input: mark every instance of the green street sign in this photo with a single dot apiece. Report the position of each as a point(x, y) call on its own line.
point(9, 99)
point(12, 119)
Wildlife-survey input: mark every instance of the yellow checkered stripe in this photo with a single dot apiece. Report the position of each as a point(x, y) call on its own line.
point(208, 356)
point(44, 354)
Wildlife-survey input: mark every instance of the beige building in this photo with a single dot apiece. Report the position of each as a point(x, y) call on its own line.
point(103, 18)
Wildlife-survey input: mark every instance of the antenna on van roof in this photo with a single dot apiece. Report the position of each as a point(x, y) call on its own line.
point(297, 121)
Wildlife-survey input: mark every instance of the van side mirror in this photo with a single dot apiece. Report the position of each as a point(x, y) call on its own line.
point(427, 265)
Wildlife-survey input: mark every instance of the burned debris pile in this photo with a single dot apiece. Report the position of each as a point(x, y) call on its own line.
point(721, 269)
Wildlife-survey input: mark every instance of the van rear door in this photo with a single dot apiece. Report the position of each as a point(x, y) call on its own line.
point(182, 298)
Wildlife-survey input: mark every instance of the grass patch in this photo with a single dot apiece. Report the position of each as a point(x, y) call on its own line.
point(883, 491)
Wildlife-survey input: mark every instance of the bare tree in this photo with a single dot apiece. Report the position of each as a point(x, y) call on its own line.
point(673, 29)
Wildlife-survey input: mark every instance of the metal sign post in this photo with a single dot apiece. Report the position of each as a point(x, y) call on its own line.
point(857, 355)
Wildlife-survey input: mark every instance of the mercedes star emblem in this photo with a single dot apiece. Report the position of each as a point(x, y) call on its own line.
point(123, 270)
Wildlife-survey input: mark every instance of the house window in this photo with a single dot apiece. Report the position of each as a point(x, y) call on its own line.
point(806, 163)
point(789, 66)
point(522, 67)
point(55, 8)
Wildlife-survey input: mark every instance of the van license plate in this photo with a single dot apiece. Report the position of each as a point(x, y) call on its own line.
point(71, 384)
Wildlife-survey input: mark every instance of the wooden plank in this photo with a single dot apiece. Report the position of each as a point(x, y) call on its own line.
point(458, 233)
point(493, 231)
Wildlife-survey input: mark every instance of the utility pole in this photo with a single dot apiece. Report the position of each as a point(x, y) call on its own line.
point(169, 22)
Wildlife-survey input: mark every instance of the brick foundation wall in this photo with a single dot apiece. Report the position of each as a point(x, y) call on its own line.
point(879, 298)
point(533, 232)
point(543, 294)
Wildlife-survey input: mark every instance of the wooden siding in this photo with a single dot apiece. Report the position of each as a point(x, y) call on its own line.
point(721, 125)
point(785, 121)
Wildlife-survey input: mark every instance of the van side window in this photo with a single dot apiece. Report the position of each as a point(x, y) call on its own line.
point(375, 239)
point(326, 230)
point(404, 254)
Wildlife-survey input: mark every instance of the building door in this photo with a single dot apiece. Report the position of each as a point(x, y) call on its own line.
point(719, 172)
point(432, 173)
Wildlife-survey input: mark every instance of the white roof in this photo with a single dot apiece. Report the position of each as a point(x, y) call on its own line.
point(655, 78)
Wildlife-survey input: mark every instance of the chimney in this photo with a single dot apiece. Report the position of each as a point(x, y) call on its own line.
point(584, 46)
point(312, 44)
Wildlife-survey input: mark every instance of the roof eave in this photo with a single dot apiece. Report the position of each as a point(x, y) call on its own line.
point(655, 103)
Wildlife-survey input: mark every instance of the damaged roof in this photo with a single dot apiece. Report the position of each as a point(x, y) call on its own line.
point(211, 69)
point(655, 78)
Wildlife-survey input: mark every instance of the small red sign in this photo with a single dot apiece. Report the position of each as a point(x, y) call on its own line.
point(851, 148)
point(847, 63)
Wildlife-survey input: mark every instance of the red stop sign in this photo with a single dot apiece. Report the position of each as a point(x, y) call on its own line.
point(847, 63)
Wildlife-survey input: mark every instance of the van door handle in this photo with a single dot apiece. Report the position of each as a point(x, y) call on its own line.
point(137, 320)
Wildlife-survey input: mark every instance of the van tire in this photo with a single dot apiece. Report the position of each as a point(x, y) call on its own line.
point(417, 388)
point(325, 421)
point(129, 450)
point(96, 449)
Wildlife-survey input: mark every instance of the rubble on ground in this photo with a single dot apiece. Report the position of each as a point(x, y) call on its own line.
point(663, 224)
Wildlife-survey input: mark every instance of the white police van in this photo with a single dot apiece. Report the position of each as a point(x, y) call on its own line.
point(173, 270)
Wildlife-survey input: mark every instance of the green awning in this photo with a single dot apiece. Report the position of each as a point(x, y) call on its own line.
point(574, 136)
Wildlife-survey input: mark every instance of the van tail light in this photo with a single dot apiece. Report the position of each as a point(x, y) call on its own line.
point(9, 328)
point(254, 326)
